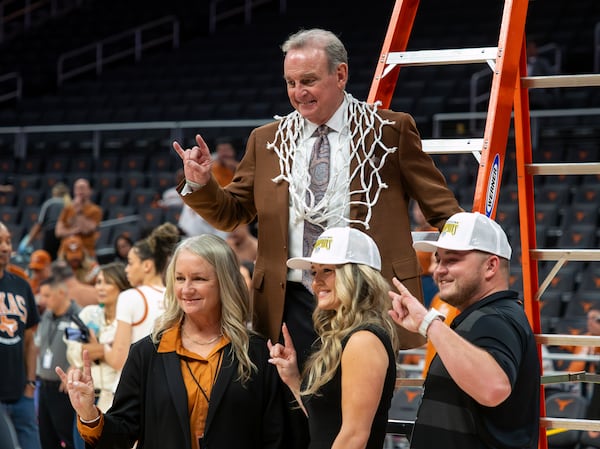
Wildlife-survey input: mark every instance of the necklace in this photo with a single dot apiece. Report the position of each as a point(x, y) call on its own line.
point(212, 340)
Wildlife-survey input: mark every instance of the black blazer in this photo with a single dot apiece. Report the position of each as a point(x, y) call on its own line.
point(151, 404)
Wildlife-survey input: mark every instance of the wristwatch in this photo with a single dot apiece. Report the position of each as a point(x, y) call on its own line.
point(433, 314)
point(31, 383)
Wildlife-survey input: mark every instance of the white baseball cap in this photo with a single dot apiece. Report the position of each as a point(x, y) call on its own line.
point(338, 246)
point(467, 231)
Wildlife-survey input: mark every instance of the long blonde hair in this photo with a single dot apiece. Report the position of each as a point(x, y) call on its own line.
point(364, 300)
point(233, 295)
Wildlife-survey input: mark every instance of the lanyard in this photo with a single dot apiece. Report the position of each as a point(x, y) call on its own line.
point(214, 378)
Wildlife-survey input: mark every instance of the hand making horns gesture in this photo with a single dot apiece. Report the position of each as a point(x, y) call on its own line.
point(197, 161)
point(80, 387)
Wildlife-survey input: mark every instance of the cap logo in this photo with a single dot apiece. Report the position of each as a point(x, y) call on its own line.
point(323, 243)
point(450, 228)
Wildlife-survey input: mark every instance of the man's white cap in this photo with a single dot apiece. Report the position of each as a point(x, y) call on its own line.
point(467, 231)
point(338, 246)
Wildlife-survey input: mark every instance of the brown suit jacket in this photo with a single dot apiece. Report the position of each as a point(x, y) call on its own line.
point(409, 173)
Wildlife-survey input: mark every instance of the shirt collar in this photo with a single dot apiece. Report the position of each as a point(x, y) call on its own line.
point(503, 294)
point(335, 122)
point(171, 342)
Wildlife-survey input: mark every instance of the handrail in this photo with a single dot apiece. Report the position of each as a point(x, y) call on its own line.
point(476, 98)
point(96, 129)
point(535, 116)
point(17, 92)
point(25, 9)
point(100, 58)
point(246, 9)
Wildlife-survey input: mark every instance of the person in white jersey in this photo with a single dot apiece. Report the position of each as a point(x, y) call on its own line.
point(138, 307)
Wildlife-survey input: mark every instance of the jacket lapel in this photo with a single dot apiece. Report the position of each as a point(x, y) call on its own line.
point(281, 190)
point(224, 378)
point(172, 366)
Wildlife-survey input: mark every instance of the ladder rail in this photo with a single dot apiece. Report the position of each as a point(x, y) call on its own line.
point(508, 100)
point(396, 39)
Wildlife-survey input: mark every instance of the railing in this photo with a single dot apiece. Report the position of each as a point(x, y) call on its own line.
point(13, 10)
point(135, 39)
point(245, 8)
point(478, 95)
point(15, 86)
point(96, 130)
point(536, 116)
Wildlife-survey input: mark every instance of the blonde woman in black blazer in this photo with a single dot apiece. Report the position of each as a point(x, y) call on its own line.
point(201, 380)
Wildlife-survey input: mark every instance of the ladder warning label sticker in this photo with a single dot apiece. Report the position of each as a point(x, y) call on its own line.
point(492, 187)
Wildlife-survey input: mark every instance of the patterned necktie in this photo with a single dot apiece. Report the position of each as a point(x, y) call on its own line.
point(319, 179)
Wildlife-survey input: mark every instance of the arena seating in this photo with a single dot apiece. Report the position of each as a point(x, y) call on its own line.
point(236, 73)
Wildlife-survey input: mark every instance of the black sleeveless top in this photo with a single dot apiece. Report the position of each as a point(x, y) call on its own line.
point(325, 408)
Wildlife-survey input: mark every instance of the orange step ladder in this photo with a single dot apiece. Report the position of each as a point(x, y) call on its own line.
point(509, 89)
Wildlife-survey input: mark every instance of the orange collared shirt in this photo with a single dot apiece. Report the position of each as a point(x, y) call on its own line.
point(204, 370)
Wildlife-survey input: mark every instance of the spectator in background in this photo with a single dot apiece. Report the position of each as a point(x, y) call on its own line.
point(420, 225)
point(73, 251)
point(223, 168)
point(82, 217)
point(55, 413)
point(17, 270)
point(539, 66)
point(39, 269)
point(17, 349)
point(47, 218)
point(243, 243)
point(247, 270)
point(170, 197)
point(138, 307)
point(224, 161)
point(83, 294)
point(123, 245)
point(111, 281)
point(192, 224)
point(593, 410)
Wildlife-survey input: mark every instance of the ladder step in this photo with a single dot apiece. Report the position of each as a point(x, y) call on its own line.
point(578, 376)
point(533, 82)
point(444, 146)
point(567, 423)
point(582, 168)
point(409, 382)
point(567, 340)
point(566, 254)
point(441, 57)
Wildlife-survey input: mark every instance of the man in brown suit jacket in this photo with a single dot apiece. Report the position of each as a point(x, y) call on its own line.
point(384, 167)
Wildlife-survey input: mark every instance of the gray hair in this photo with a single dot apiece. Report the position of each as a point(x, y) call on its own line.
point(316, 37)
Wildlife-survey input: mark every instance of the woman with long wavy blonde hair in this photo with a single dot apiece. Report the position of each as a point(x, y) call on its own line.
point(348, 382)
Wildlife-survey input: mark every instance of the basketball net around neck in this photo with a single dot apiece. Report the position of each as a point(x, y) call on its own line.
point(362, 119)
